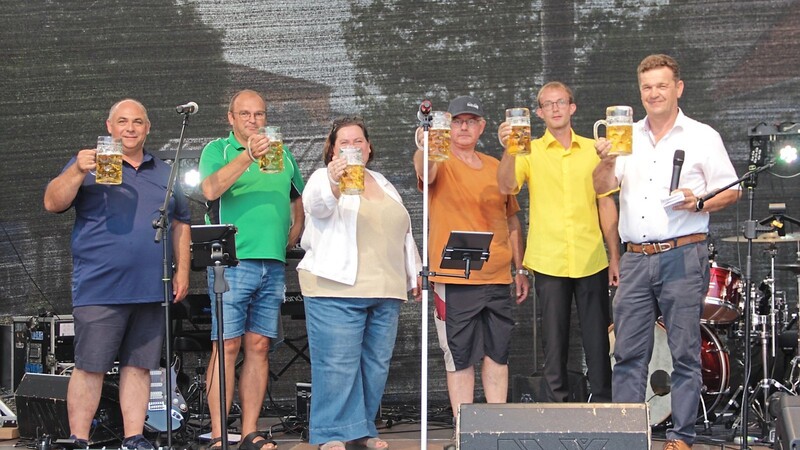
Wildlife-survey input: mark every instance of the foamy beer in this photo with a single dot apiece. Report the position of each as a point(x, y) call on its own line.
point(619, 129)
point(109, 161)
point(438, 136)
point(519, 142)
point(272, 160)
point(352, 181)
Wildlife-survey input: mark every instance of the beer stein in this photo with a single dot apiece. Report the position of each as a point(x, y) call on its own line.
point(272, 160)
point(352, 181)
point(519, 141)
point(438, 136)
point(109, 161)
point(619, 129)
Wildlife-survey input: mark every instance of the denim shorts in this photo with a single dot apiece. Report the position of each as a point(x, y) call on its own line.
point(253, 302)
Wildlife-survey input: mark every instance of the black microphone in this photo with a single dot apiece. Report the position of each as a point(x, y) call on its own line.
point(189, 108)
point(677, 163)
point(424, 110)
point(660, 382)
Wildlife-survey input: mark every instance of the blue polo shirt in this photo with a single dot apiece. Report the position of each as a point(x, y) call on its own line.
point(115, 259)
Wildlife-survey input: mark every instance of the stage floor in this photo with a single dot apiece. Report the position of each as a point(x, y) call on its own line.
point(406, 436)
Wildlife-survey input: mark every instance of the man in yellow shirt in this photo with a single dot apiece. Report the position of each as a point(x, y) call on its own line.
point(568, 221)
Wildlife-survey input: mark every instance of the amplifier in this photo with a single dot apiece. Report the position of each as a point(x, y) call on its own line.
point(43, 342)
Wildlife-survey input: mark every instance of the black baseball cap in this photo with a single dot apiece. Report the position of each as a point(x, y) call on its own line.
point(465, 105)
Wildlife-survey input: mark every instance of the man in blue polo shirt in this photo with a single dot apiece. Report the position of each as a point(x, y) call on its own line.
point(267, 211)
point(117, 286)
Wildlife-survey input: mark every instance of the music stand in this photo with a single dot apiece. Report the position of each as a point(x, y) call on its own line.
point(466, 250)
point(215, 246)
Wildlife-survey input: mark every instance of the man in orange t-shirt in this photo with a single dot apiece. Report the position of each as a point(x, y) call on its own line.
point(473, 316)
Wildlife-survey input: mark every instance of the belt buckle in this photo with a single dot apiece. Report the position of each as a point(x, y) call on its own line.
point(663, 246)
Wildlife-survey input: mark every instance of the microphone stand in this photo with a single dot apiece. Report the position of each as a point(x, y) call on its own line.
point(425, 123)
point(161, 226)
point(750, 179)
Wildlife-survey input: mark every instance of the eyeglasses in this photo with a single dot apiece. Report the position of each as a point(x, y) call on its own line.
point(470, 122)
point(560, 102)
point(245, 115)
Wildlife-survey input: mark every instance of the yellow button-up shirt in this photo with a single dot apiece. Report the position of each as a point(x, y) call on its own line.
point(564, 236)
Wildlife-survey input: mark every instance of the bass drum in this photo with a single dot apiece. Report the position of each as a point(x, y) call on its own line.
point(715, 370)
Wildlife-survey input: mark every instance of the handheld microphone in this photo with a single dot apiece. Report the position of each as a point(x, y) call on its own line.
point(677, 164)
point(424, 110)
point(660, 382)
point(188, 108)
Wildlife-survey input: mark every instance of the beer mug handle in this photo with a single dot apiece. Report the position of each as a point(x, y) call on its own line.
point(597, 125)
point(419, 134)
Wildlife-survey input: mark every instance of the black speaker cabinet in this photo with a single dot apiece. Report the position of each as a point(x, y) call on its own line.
point(42, 409)
point(788, 426)
point(547, 426)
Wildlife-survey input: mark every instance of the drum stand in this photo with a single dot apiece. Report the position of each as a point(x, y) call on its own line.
point(794, 375)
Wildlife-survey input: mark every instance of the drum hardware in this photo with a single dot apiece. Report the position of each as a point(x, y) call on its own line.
point(715, 369)
point(721, 305)
point(771, 237)
point(794, 374)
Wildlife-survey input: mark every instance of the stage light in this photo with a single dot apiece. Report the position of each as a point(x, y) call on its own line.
point(191, 178)
point(771, 144)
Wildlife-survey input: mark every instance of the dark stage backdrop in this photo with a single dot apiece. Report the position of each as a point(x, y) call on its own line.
point(65, 62)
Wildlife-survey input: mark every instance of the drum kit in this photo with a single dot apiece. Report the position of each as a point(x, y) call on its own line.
point(722, 332)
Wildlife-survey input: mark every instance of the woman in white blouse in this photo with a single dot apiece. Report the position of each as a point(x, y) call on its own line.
point(360, 264)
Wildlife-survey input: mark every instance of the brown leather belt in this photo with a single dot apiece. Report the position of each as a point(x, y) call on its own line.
point(651, 248)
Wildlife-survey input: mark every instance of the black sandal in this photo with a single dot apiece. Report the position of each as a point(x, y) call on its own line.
point(248, 444)
point(210, 444)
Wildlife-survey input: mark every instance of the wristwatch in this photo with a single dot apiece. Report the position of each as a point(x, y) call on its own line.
point(523, 272)
point(698, 205)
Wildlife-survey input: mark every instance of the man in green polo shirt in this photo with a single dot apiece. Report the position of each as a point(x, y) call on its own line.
point(267, 211)
point(568, 221)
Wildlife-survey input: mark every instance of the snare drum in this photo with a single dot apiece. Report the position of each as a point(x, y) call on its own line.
point(715, 368)
point(724, 296)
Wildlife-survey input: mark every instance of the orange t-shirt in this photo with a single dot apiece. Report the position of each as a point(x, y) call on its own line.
point(466, 199)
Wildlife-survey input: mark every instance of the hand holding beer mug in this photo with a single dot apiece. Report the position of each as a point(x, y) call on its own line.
point(619, 129)
point(438, 136)
point(272, 160)
point(519, 141)
point(109, 161)
point(352, 180)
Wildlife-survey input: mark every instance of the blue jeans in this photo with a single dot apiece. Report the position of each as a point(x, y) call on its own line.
point(674, 283)
point(351, 342)
point(253, 302)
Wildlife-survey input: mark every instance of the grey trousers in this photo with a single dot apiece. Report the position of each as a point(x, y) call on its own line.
point(673, 283)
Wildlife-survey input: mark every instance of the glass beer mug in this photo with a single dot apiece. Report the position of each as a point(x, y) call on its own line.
point(272, 160)
point(619, 129)
point(109, 161)
point(352, 181)
point(519, 141)
point(438, 136)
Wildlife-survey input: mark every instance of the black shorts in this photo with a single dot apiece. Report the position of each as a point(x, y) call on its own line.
point(478, 323)
point(131, 334)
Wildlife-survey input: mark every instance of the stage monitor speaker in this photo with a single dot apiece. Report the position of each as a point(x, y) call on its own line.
point(547, 426)
point(788, 424)
point(42, 409)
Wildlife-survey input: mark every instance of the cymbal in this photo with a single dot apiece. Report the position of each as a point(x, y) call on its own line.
point(789, 267)
point(766, 238)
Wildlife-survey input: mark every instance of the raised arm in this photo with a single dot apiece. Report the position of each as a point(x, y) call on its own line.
point(61, 191)
point(506, 176)
point(603, 177)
